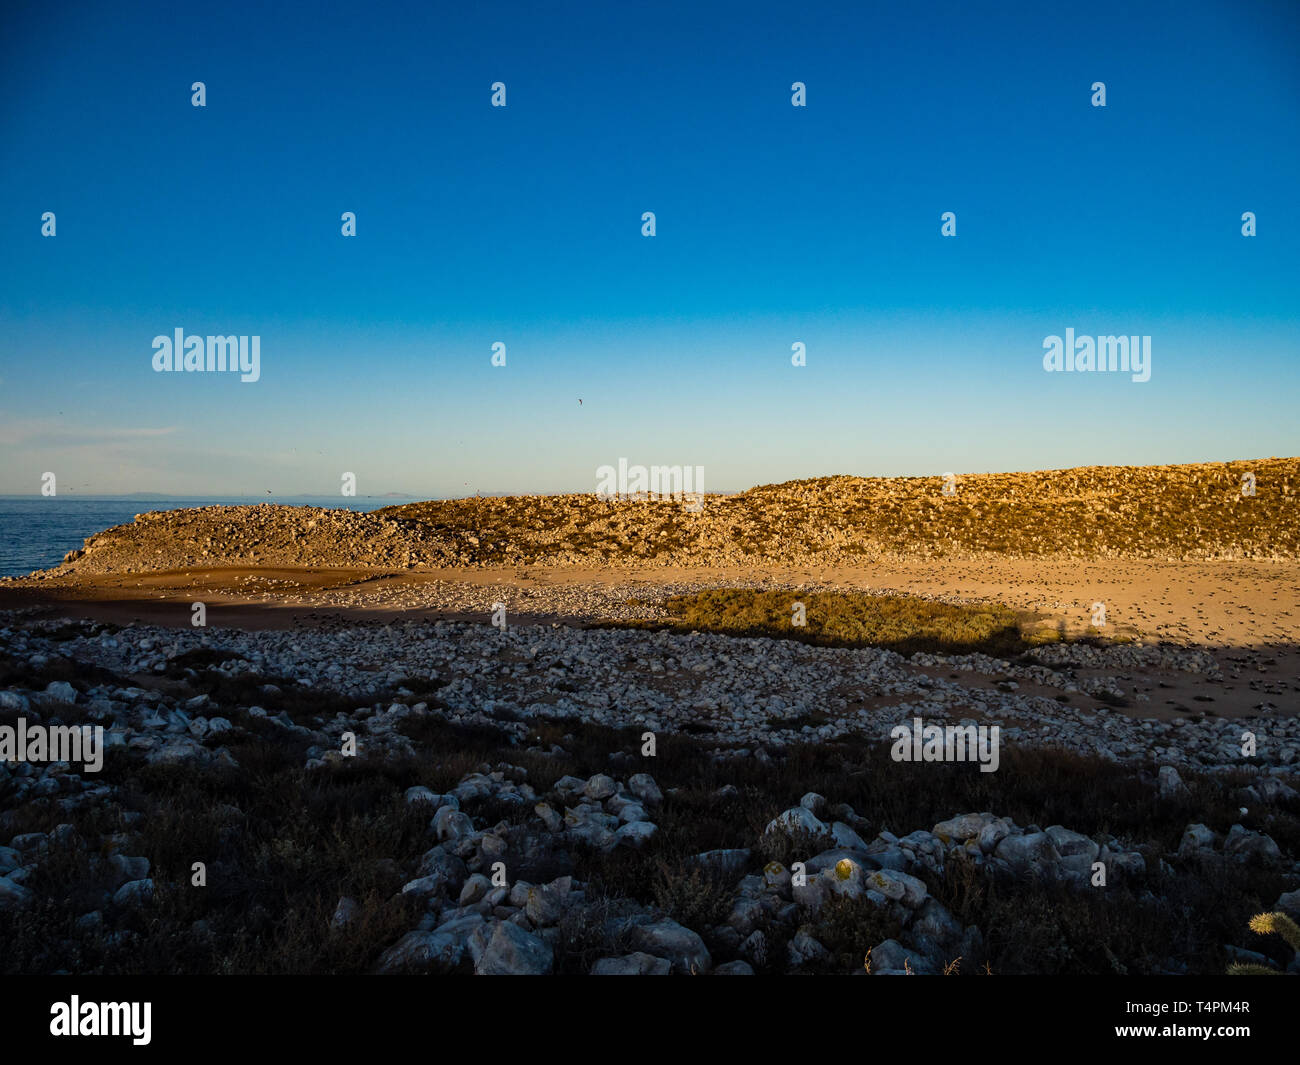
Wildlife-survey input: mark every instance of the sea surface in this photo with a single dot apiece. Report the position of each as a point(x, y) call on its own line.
point(37, 531)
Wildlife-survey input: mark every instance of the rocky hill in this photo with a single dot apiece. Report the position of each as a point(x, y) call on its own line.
point(1188, 512)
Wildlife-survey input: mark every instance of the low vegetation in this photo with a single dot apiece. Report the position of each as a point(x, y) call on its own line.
point(905, 624)
point(282, 844)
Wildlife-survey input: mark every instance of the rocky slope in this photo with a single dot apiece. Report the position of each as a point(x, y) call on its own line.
point(1187, 512)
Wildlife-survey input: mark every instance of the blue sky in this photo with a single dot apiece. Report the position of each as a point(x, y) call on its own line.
point(522, 224)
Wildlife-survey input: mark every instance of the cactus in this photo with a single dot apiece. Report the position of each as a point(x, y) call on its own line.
point(1264, 924)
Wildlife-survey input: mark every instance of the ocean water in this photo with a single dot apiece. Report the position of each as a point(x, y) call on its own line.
point(37, 531)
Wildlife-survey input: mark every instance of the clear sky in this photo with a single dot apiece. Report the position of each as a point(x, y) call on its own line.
point(522, 224)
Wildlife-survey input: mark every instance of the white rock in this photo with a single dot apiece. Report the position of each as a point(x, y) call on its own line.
point(795, 819)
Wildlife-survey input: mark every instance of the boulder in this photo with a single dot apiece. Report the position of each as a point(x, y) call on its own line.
point(993, 834)
point(725, 865)
point(12, 894)
point(1245, 845)
point(635, 964)
point(642, 785)
point(797, 819)
point(803, 948)
point(425, 888)
point(511, 951)
point(963, 827)
point(134, 893)
point(1289, 903)
point(1170, 783)
point(1069, 844)
point(1196, 838)
point(61, 691)
point(936, 933)
point(813, 803)
point(438, 951)
point(1030, 849)
point(665, 938)
point(892, 957)
point(900, 887)
point(123, 868)
point(450, 824)
point(420, 796)
point(634, 834)
point(600, 787)
point(545, 903)
point(844, 836)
